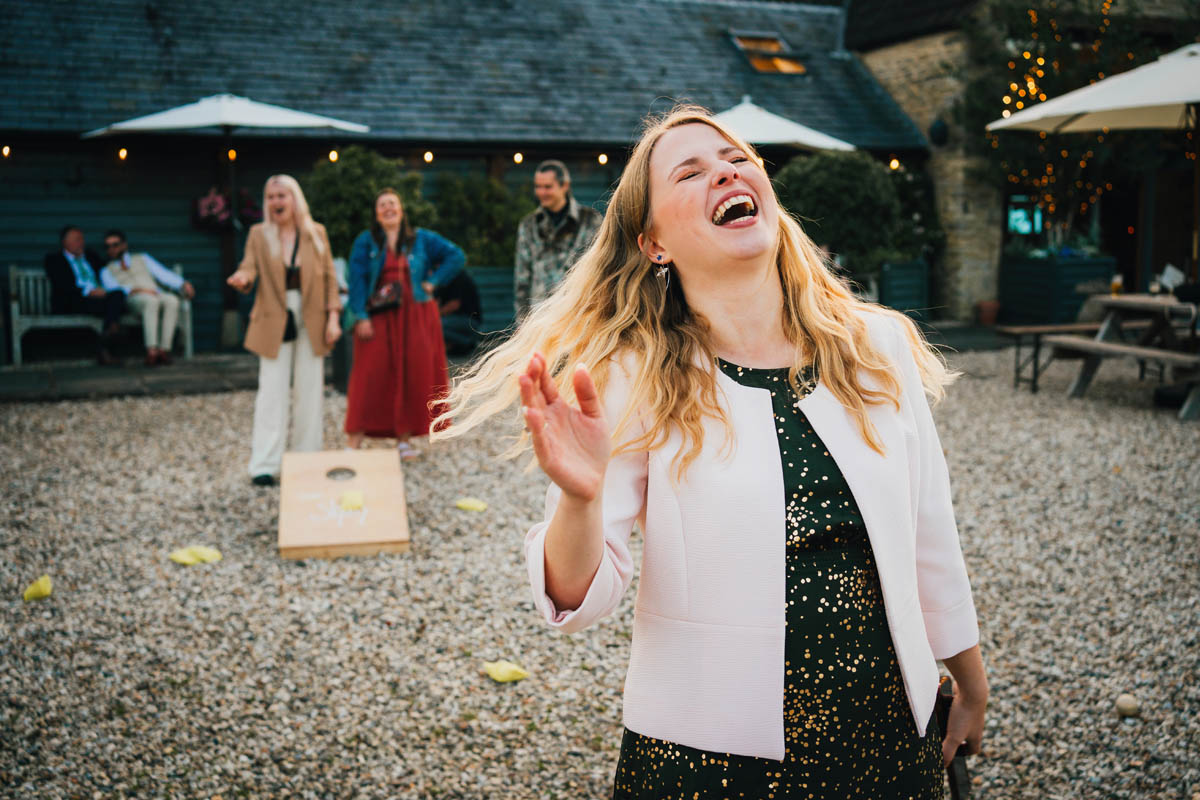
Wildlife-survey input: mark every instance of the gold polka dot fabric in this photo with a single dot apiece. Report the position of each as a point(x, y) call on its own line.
point(848, 730)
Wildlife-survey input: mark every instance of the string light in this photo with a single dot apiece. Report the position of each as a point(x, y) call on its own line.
point(333, 156)
point(518, 158)
point(6, 150)
point(602, 158)
point(894, 164)
point(122, 154)
point(428, 157)
point(231, 155)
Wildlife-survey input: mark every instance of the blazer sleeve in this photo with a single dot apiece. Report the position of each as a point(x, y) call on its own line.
point(943, 588)
point(250, 266)
point(358, 278)
point(623, 502)
point(448, 256)
point(333, 300)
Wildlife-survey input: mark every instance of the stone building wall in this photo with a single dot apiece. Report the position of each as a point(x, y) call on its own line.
point(920, 75)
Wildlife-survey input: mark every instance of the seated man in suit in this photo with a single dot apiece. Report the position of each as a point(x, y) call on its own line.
point(75, 288)
point(458, 303)
point(148, 287)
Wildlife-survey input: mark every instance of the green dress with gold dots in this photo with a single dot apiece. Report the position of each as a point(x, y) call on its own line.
point(848, 730)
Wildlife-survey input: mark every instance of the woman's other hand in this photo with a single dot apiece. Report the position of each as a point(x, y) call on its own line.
point(333, 330)
point(363, 329)
point(428, 287)
point(572, 444)
point(239, 281)
point(965, 725)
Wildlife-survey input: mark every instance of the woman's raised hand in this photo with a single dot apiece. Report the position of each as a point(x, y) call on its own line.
point(239, 281)
point(572, 444)
point(363, 329)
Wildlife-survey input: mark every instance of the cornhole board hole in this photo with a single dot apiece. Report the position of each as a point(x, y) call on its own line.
point(312, 520)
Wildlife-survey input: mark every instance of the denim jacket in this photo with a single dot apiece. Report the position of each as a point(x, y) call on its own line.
point(431, 257)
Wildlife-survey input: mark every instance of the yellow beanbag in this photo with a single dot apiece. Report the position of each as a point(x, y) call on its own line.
point(352, 500)
point(38, 589)
point(196, 554)
point(504, 671)
point(470, 504)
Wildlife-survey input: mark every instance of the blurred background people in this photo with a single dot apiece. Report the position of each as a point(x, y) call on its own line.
point(462, 314)
point(293, 324)
point(399, 356)
point(149, 289)
point(551, 237)
point(75, 287)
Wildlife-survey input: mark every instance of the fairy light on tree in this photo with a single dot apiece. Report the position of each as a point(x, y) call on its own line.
point(1023, 54)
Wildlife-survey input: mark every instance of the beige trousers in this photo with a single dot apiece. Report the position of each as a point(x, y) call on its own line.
point(163, 306)
point(302, 371)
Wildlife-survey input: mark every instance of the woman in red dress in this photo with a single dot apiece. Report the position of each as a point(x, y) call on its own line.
point(399, 371)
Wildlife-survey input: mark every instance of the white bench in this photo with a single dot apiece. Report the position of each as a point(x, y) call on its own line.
point(29, 291)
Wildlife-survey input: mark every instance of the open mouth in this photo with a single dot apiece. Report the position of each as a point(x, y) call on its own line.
point(736, 207)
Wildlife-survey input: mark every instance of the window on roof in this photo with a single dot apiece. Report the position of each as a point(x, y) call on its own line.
point(768, 53)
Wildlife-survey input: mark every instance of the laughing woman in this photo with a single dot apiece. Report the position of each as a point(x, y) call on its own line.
point(293, 324)
point(399, 354)
point(801, 568)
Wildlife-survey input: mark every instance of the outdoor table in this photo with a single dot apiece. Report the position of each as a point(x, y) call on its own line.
point(1162, 311)
point(1159, 343)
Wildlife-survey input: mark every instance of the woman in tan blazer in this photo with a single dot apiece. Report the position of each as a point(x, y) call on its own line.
point(293, 324)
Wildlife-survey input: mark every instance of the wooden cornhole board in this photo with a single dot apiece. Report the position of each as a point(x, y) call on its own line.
point(312, 523)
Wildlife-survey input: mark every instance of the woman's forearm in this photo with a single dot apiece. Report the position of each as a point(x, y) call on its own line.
point(574, 548)
point(969, 675)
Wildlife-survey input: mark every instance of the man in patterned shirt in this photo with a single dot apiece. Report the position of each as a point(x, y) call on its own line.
point(550, 238)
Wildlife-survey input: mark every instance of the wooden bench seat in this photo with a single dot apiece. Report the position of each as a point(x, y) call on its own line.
point(1035, 333)
point(29, 305)
point(1185, 365)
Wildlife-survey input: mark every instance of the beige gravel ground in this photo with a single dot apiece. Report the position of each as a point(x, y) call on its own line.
point(256, 677)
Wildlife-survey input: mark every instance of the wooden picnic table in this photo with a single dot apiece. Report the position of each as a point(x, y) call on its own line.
point(1159, 342)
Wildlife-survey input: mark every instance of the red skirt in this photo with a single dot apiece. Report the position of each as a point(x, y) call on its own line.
point(399, 375)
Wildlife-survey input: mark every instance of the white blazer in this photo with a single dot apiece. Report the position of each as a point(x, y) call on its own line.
point(706, 664)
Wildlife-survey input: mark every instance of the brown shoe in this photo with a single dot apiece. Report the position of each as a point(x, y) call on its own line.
point(164, 358)
point(152, 358)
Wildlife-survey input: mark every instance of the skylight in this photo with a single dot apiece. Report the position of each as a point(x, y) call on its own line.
point(767, 52)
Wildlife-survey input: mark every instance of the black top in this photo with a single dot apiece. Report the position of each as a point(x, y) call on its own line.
point(463, 289)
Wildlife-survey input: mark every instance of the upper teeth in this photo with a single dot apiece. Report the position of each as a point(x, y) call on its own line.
point(733, 201)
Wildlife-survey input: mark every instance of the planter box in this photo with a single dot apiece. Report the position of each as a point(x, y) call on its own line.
point(904, 286)
point(1043, 291)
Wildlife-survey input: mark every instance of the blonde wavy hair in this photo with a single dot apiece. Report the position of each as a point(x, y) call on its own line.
point(610, 305)
point(304, 221)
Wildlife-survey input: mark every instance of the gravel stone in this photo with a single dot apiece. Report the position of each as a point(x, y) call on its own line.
point(360, 677)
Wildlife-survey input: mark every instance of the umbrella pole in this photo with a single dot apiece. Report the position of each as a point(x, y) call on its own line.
point(1195, 111)
point(229, 315)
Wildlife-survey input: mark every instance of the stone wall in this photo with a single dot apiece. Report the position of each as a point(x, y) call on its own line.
point(920, 75)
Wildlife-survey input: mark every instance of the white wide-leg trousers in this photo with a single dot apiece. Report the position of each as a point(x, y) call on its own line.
point(301, 370)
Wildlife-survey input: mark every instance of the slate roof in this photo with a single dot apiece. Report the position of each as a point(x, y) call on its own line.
point(562, 71)
point(874, 23)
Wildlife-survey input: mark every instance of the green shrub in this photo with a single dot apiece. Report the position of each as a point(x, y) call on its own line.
point(341, 194)
point(481, 215)
point(848, 204)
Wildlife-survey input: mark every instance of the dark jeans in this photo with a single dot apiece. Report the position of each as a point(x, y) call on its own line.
point(460, 336)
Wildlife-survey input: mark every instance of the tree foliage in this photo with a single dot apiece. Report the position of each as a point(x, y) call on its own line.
point(848, 204)
point(342, 193)
point(1022, 53)
point(480, 215)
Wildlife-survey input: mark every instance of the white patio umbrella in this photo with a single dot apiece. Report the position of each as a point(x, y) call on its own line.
point(758, 126)
point(226, 111)
point(1164, 94)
